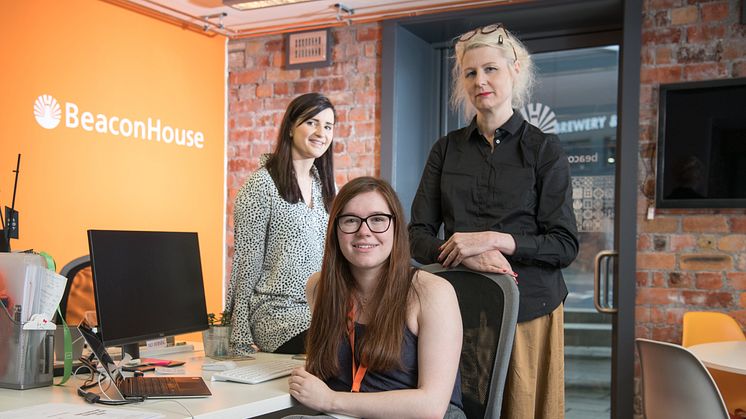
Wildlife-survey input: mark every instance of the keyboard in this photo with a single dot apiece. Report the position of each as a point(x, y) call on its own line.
point(259, 371)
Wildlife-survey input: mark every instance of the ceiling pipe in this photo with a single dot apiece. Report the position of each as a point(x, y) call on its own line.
point(205, 25)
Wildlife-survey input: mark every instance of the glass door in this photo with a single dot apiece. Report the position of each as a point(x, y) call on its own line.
point(576, 98)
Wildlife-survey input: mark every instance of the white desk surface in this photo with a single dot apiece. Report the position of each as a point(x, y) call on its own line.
point(228, 400)
point(724, 356)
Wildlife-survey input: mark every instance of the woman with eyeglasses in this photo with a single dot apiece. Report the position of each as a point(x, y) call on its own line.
point(404, 324)
point(501, 189)
point(280, 219)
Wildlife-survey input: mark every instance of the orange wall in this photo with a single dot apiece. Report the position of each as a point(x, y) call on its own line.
point(111, 61)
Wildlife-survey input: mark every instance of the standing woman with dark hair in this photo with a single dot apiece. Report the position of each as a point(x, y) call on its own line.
point(404, 325)
point(280, 219)
point(501, 190)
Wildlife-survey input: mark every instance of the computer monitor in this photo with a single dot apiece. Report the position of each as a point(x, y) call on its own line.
point(147, 284)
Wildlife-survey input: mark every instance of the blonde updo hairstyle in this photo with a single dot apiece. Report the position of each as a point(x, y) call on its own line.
point(523, 81)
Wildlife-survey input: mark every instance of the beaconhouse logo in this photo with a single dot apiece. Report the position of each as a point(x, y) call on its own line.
point(47, 112)
point(541, 116)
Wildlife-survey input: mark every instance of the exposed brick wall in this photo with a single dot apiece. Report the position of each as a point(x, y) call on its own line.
point(260, 88)
point(687, 259)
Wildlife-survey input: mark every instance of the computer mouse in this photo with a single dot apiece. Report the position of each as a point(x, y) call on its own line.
point(219, 366)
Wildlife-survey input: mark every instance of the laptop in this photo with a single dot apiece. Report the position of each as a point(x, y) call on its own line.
point(136, 388)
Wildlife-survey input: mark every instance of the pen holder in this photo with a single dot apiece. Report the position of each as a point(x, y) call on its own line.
point(26, 356)
point(216, 342)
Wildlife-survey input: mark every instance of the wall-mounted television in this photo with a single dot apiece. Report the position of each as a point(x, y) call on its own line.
point(702, 145)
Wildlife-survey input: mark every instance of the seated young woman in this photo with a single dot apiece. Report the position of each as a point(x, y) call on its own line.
point(404, 324)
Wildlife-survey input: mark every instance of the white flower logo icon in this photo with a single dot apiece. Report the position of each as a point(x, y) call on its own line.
point(542, 116)
point(47, 111)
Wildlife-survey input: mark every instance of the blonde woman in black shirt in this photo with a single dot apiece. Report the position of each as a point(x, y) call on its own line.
point(501, 190)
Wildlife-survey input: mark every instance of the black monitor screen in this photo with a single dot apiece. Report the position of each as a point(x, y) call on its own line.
point(147, 284)
point(702, 145)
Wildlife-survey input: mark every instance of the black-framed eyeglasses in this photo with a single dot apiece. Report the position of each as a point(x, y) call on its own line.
point(484, 30)
point(377, 223)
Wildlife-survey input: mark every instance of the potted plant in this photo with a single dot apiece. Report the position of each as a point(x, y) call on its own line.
point(216, 338)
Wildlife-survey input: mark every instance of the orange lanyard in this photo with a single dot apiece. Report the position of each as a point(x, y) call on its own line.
point(358, 372)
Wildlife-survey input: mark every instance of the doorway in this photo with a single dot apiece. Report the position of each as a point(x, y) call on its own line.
point(583, 61)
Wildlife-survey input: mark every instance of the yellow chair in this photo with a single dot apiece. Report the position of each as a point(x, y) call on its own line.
point(705, 327)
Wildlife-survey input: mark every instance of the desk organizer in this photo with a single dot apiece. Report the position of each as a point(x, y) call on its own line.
point(26, 356)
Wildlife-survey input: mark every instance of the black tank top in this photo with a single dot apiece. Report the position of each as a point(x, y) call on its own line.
point(396, 379)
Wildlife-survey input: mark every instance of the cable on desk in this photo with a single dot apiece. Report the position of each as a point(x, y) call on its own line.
point(191, 415)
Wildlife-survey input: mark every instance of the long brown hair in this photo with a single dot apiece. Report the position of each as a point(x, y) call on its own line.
point(380, 347)
point(280, 164)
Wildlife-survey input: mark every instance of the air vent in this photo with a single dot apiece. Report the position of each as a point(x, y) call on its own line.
point(308, 49)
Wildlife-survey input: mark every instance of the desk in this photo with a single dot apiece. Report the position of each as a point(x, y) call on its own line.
point(723, 356)
point(228, 400)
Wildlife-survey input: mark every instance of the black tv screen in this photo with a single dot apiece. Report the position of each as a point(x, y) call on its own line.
point(702, 145)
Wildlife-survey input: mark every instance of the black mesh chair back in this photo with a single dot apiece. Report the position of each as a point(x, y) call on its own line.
point(489, 311)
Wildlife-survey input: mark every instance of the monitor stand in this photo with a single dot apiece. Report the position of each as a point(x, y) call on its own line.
point(131, 348)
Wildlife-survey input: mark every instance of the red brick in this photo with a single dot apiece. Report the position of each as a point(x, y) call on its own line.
point(340, 178)
point(706, 242)
point(282, 89)
point(663, 55)
point(656, 260)
point(714, 11)
point(684, 15)
point(705, 224)
point(709, 280)
point(264, 90)
point(705, 262)
point(642, 315)
point(742, 299)
point(659, 225)
point(732, 243)
point(699, 34)
point(705, 71)
point(246, 77)
point(642, 279)
point(737, 280)
point(658, 296)
point(680, 280)
point(739, 69)
point(660, 36)
point(738, 224)
point(274, 45)
point(355, 146)
point(659, 280)
point(674, 316)
point(368, 34)
point(359, 114)
point(666, 334)
point(707, 299)
point(644, 242)
point(657, 315)
point(679, 242)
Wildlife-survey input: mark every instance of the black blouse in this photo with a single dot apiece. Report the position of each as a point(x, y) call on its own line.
point(522, 188)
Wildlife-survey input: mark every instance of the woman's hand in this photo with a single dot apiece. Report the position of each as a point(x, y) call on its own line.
point(490, 261)
point(463, 245)
point(310, 390)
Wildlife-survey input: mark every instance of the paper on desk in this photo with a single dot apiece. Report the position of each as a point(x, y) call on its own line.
point(75, 411)
point(42, 292)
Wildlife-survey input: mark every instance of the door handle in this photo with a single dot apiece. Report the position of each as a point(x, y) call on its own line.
point(606, 305)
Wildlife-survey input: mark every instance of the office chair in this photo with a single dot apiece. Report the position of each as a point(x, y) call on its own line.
point(675, 384)
point(78, 297)
point(489, 311)
point(710, 326)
